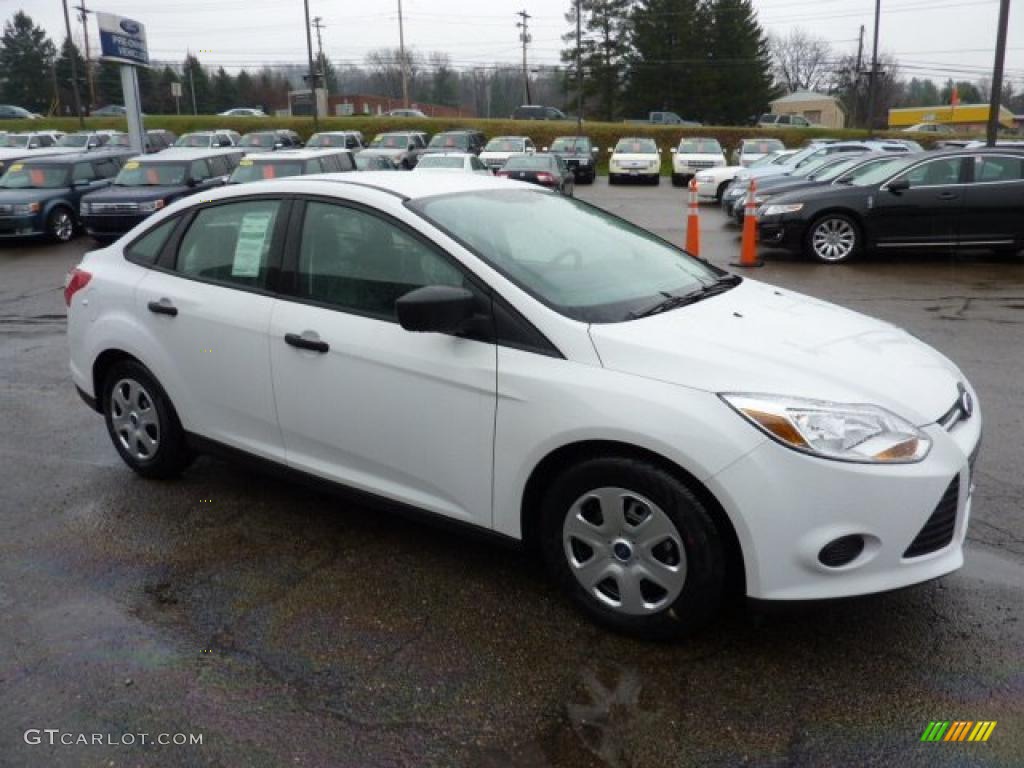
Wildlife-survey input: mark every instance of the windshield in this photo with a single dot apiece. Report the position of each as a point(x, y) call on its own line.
point(136, 174)
point(73, 140)
point(636, 147)
point(254, 170)
point(879, 173)
point(836, 169)
point(811, 167)
point(390, 141)
point(19, 142)
point(442, 140)
point(372, 163)
point(574, 257)
point(326, 140)
point(505, 145)
point(699, 147)
point(771, 159)
point(529, 163)
point(258, 140)
point(194, 140)
point(119, 140)
point(24, 176)
point(440, 161)
point(762, 146)
point(570, 144)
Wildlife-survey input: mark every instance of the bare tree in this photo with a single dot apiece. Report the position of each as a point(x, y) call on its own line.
point(802, 62)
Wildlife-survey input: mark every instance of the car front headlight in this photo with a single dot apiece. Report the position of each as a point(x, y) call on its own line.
point(781, 208)
point(26, 209)
point(584, 161)
point(151, 206)
point(866, 434)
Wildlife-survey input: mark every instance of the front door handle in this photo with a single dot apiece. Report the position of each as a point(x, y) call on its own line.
point(163, 307)
point(948, 195)
point(304, 342)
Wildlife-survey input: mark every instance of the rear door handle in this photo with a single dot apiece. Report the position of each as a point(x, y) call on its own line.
point(303, 342)
point(948, 195)
point(163, 307)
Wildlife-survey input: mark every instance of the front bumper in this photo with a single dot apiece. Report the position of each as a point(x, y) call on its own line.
point(31, 225)
point(781, 232)
point(786, 507)
point(111, 225)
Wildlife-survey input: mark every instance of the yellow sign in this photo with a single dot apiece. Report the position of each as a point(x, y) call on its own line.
point(245, 161)
point(17, 167)
point(132, 165)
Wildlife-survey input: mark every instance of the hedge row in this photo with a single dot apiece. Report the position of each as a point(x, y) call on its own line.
point(604, 135)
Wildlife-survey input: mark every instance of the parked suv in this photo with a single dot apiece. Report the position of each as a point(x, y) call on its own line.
point(208, 139)
point(351, 140)
point(457, 141)
point(637, 158)
point(499, 149)
point(148, 183)
point(578, 153)
point(537, 112)
point(694, 155)
point(751, 150)
point(403, 148)
point(769, 120)
point(291, 162)
point(41, 196)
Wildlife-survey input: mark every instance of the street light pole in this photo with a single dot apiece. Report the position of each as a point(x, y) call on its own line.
point(74, 69)
point(401, 54)
point(579, 69)
point(997, 74)
point(312, 72)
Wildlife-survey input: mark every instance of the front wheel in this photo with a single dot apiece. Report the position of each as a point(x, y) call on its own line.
point(833, 238)
point(60, 225)
point(656, 180)
point(633, 547)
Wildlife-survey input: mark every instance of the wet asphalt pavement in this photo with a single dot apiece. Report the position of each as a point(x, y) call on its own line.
point(289, 628)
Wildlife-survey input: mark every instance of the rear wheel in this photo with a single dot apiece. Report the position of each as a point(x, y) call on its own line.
point(656, 179)
point(721, 191)
point(833, 238)
point(613, 178)
point(60, 224)
point(677, 180)
point(142, 423)
point(633, 547)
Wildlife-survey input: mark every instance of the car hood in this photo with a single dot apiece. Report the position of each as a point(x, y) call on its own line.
point(16, 196)
point(760, 339)
point(131, 194)
point(385, 152)
point(825, 193)
point(630, 157)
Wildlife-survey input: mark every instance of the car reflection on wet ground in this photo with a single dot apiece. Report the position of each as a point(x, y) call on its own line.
point(290, 627)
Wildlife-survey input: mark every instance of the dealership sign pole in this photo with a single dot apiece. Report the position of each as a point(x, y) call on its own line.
point(123, 41)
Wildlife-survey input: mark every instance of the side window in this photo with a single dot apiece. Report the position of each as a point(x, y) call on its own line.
point(46, 141)
point(104, 169)
point(199, 170)
point(935, 173)
point(219, 166)
point(476, 164)
point(361, 263)
point(314, 166)
point(230, 243)
point(147, 248)
point(1005, 168)
point(345, 162)
point(83, 172)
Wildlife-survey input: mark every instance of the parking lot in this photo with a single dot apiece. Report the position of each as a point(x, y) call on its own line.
point(290, 628)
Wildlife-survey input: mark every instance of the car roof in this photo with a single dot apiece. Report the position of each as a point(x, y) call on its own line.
point(510, 138)
point(185, 154)
point(75, 157)
point(449, 154)
point(298, 154)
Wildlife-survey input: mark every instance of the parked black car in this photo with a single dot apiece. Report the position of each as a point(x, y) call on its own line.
point(578, 153)
point(456, 141)
point(938, 200)
point(542, 168)
point(537, 112)
point(148, 183)
point(41, 196)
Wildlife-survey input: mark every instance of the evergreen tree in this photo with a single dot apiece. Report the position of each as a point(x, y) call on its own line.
point(244, 86)
point(26, 58)
point(668, 64)
point(65, 86)
point(605, 45)
point(108, 84)
point(225, 91)
point(195, 76)
point(740, 80)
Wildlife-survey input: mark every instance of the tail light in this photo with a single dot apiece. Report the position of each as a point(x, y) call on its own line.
point(77, 280)
point(545, 178)
point(501, 173)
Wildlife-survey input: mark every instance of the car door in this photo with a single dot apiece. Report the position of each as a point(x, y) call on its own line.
point(408, 416)
point(994, 208)
point(926, 213)
point(207, 309)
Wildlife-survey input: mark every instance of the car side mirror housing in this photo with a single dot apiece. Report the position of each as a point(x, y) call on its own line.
point(899, 185)
point(192, 183)
point(436, 309)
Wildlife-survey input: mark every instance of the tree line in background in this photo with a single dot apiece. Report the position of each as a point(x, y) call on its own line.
point(707, 60)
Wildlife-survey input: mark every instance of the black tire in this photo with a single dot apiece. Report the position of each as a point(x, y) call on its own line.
point(613, 178)
point(656, 181)
point(704, 584)
point(60, 224)
point(721, 191)
point(171, 454)
point(677, 180)
point(840, 223)
point(591, 177)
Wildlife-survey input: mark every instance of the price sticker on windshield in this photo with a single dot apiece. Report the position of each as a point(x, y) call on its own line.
point(131, 165)
point(245, 161)
point(17, 167)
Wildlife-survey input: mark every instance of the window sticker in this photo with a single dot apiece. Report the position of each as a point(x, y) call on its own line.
point(245, 161)
point(17, 167)
point(132, 165)
point(252, 240)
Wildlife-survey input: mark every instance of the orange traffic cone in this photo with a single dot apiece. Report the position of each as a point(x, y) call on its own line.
point(748, 248)
point(693, 221)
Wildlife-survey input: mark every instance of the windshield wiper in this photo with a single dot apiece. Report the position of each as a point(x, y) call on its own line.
point(674, 301)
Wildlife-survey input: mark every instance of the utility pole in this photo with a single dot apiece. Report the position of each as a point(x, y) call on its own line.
point(579, 69)
point(321, 64)
point(856, 79)
point(312, 72)
point(525, 37)
point(401, 55)
point(192, 82)
point(83, 14)
point(997, 73)
point(873, 77)
point(74, 68)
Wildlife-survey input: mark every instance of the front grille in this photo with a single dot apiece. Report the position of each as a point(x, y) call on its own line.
point(114, 207)
point(700, 163)
point(938, 531)
point(6, 210)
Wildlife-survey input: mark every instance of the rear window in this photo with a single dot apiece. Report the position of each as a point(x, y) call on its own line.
point(700, 147)
point(999, 169)
point(258, 140)
point(391, 141)
point(256, 170)
point(193, 140)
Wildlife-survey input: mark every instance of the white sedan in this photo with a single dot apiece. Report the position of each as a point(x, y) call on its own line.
point(451, 162)
point(522, 362)
point(712, 182)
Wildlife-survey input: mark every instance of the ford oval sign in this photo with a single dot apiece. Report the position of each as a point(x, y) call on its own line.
point(131, 27)
point(122, 40)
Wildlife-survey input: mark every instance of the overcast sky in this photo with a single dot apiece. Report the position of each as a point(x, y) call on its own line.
point(936, 38)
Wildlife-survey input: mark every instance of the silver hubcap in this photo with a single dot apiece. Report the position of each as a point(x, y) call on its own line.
point(135, 420)
point(624, 551)
point(63, 227)
point(833, 239)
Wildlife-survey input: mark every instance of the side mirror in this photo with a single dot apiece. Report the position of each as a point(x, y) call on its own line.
point(595, 150)
point(436, 309)
point(82, 182)
point(899, 185)
point(192, 182)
